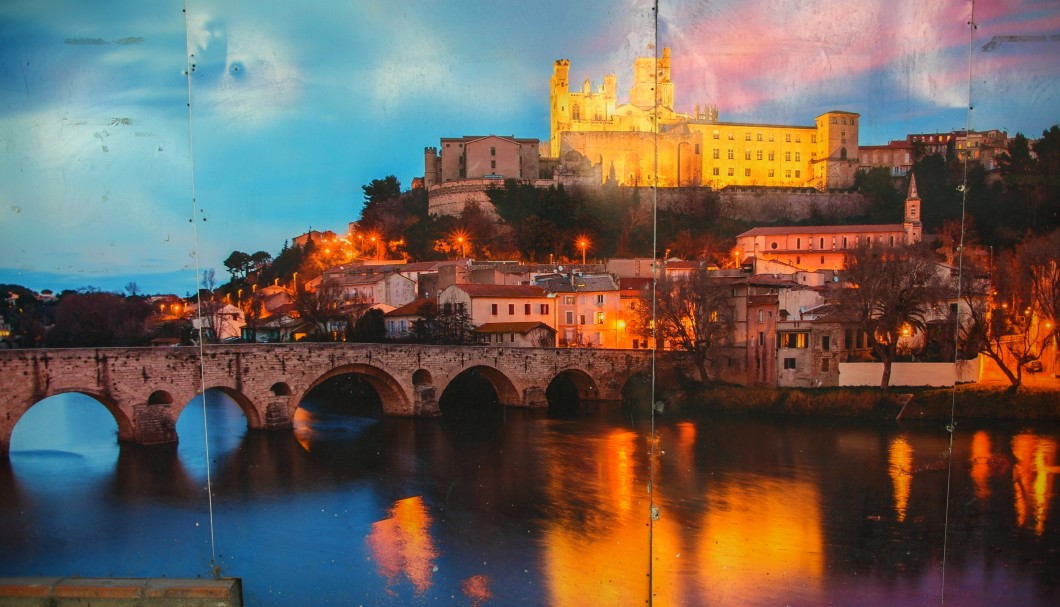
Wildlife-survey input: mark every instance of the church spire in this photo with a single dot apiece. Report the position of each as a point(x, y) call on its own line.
point(912, 188)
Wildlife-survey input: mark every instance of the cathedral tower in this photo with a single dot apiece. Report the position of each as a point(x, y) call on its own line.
point(559, 92)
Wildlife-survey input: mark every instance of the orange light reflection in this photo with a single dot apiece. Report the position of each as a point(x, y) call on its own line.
point(900, 469)
point(402, 546)
point(1032, 478)
point(981, 458)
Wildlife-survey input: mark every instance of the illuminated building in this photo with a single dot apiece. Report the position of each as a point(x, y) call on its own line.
point(618, 140)
point(814, 248)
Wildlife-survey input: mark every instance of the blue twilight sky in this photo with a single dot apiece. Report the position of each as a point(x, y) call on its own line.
point(296, 105)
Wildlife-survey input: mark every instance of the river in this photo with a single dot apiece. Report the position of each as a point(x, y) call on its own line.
point(514, 507)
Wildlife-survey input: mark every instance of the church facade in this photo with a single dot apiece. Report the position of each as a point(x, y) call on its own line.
point(817, 248)
point(619, 140)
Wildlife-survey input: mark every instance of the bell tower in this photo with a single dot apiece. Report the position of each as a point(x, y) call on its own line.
point(912, 226)
point(559, 91)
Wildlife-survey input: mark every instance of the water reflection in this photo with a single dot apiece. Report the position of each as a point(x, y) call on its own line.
point(522, 509)
point(402, 546)
point(1032, 479)
point(900, 468)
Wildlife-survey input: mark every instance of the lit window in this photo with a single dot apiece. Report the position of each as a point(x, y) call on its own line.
point(731, 171)
point(731, 136)
point(716, 134)
point(747, 172)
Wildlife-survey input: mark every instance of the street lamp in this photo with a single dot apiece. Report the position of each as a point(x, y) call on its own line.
point(583, 243)
point(463, 246)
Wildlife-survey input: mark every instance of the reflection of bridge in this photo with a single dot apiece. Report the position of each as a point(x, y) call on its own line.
point(145, 389)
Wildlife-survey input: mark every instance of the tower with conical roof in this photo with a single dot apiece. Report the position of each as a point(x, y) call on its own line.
point(913, 228)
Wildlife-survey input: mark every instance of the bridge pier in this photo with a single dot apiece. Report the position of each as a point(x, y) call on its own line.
point(151, 425)
point(534, 397)
point(425, 401)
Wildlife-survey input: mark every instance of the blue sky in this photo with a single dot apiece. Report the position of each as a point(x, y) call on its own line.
point(295, 106)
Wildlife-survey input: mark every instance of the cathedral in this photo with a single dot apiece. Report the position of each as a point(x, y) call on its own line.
point(590, 128)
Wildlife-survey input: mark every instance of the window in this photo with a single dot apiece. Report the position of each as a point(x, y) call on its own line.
point(697, 149)
point(511, 337)
point(787, 137)
point(493, 164)
point(760, 136)
point(731, 171)
point(798, 173)
point(716, 134)
point(493, 309)
point(822, 243)
point(835, 120)
point(746, 136)
point(599, 318)
point(824, 364)
point(747, 154)
point(526, 309)
point(773, 245)
point(826, 342)
point(731, 154)
point(747, 172)
point(798, 156)
point(758, 155)
point(568, 299)
point(544, 308)
point(787, 173)
point(717, 171)
point(761, 338)
point(761, 316)
point(511, 309)
point(771, 136)
point(813, 138)
point(600, 299)
point(771, 155)
point(716, 153)
point(581, 319)
point(848, 339)
point(798, 138)
point(787, 156)
point(493, 151)
point(731, 136)
point(789, 363)
point(570, 317)
point(772, 173)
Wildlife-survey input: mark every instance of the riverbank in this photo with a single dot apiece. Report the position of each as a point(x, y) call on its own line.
point(970, 401)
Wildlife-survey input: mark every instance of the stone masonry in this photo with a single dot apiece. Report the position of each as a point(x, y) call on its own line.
point(145, 389)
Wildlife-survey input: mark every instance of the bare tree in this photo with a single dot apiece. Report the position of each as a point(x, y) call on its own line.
point(692, 313)
point(322, 306)
point(891, 291)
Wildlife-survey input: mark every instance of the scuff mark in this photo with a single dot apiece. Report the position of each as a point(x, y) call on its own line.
point(101, 42)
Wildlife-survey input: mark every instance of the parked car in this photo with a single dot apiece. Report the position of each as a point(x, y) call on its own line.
point(1035, 366)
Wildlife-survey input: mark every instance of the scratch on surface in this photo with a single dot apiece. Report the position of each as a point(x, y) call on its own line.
point(102, 42)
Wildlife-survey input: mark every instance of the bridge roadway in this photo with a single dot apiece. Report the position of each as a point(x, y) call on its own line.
point(145, 389)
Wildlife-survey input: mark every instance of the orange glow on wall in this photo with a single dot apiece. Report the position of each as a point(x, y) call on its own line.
point(402, 546)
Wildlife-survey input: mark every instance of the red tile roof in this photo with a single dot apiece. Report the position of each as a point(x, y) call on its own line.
point(502, 290)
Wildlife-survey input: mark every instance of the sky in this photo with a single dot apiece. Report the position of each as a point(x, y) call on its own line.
point(145, 141)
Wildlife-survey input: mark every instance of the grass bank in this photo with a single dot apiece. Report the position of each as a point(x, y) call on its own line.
point(968, 401)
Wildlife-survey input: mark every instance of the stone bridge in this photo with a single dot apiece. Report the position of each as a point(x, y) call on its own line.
point(146, 389)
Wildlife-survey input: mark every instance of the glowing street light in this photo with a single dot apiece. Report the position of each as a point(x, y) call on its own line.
point(583, 243)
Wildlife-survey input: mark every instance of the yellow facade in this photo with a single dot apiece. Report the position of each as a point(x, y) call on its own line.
point(623, 141)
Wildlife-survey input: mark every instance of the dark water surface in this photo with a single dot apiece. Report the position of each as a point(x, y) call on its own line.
point(515, 508)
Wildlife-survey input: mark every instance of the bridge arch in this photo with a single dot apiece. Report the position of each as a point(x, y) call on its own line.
point(507, 393)
point(585, 384)
point(126, 430)
point(393, 396)
point(246, 405)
